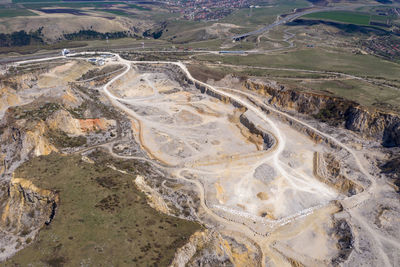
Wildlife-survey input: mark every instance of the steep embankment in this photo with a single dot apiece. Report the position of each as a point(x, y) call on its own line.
point(376, 124)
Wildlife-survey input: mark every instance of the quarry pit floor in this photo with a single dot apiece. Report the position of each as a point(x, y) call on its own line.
point(203, 139)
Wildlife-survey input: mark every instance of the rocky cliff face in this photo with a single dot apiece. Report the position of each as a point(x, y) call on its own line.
point(28, 207)
point(374, 124)
point(377, 124)
point(210, 248)
point(328, 169)
point(25, 208)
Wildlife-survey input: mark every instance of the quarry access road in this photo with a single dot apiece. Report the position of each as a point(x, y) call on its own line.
point(356, 199)
point(351, 201)
point(333, 139)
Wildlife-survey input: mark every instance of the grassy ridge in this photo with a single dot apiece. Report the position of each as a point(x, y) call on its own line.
point(320, 60)
point(364, 93)
point(29, 49)
point(101, 220)
point(118, 12)
point(316, 59)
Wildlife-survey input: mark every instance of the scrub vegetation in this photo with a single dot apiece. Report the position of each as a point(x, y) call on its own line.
point(102, 218)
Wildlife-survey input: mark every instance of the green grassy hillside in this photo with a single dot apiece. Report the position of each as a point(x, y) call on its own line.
point(101, 220)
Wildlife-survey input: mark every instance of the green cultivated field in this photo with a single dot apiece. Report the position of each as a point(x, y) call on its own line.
point(33, 5)
point(8, 13)
point(33, 1)
point(379, 18)
point(102, 218)
point(342, 16)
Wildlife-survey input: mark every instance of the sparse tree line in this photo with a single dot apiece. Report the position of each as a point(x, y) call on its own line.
point(94, 35)
point(21, 38)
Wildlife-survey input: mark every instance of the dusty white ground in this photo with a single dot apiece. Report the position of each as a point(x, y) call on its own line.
point(182, 127)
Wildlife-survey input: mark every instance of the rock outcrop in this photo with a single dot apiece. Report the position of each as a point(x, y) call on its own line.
point(28, 207)
point(369, 123)
point(35, 141)
point(64, 121)
point(250, 123)
point(328, 170)
point(210, 248)
point(25, 208)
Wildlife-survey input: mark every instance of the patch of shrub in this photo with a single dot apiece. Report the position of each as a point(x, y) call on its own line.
point(62, 140)
point(21, 38)
point(92, 35)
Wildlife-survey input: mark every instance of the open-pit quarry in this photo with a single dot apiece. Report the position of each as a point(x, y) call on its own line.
point(270, 187)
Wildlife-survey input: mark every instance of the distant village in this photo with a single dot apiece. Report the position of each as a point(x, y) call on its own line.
point(383, 46)
point(208, 9)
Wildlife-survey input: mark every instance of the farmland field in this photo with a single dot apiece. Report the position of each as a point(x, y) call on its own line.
point(342, 16)
point(33, 1)
point(7, 13)
point(62, 11)
point(33, 5)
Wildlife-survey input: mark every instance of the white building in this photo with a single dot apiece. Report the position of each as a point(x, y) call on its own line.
point(65, 52)
point(97, 61)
